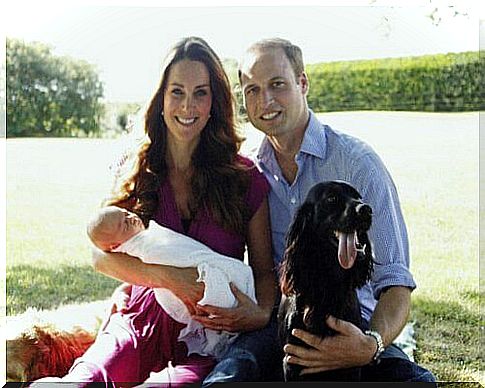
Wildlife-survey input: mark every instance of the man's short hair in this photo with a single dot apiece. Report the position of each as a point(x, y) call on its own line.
point(292, 52)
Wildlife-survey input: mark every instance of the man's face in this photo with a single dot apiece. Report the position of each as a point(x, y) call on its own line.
point(274, 97)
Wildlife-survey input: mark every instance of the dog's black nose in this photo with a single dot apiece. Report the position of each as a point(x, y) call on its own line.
point(363, 210)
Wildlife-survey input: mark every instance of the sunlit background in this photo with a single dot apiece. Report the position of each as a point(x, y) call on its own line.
point(126, 40)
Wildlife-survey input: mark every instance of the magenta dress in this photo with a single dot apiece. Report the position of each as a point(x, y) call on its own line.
point(144, 338)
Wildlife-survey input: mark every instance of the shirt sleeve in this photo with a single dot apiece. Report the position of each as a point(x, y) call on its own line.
point(258, 187)
point(388, 232)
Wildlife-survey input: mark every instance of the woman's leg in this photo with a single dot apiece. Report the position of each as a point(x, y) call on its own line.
point(189, 371)
point(129, 346)
point(114, 356)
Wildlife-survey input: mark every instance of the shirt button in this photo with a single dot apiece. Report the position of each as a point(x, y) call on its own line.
point(293, 201)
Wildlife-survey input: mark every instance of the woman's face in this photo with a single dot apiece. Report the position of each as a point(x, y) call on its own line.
point(187, 101)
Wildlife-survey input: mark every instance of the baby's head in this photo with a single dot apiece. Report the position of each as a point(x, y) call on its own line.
point(111, 226)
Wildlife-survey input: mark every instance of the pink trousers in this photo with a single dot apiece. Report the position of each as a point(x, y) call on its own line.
point(138, 345)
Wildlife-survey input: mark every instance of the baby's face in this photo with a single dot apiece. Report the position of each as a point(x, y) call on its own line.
point(124, 225)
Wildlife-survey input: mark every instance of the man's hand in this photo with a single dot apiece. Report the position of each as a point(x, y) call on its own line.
point(246, 316)
point(349, 347)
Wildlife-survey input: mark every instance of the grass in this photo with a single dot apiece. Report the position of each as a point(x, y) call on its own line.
point(53, 185)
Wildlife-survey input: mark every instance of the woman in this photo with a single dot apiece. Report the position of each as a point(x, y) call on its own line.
point(188, 177)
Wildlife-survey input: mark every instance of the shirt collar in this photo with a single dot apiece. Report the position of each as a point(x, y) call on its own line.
point(265, 151)
point(313, 142)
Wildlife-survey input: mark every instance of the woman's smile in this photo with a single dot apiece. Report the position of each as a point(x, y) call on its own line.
point(187, 101)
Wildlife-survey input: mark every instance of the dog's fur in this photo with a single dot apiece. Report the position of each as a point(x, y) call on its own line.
point(313, 283)
point(43, 343)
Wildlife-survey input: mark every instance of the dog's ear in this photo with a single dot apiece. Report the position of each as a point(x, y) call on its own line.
point(364, 267)
point(298, 240)
point(301, 225)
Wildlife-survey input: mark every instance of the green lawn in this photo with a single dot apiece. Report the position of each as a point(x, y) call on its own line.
point(53, 185)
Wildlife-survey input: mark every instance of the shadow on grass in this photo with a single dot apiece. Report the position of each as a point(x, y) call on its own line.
point(448, 336)
point(46, 288)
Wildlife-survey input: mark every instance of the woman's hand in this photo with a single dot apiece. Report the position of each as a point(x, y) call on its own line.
point(246, 316)
point(183, 283)
point(120, 298)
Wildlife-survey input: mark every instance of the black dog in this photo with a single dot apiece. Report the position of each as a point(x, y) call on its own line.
point(328, 256)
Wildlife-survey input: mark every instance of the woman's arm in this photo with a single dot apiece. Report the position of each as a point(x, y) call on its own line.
point(129, 269)
point(261, 260)
point(120, 297)
point(249, 315)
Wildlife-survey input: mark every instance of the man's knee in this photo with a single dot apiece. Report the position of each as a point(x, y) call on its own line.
point(424, 376)
point(399, 370)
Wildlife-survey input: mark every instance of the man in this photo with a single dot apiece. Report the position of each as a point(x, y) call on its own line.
point(297, 152)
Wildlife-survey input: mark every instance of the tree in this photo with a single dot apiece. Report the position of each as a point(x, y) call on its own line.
point(231, 67)
point(49, 95)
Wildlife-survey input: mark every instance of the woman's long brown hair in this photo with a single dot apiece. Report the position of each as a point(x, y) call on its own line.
point(219, 181)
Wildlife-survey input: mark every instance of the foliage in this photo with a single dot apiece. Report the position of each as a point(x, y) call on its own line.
point(122, 120)
point(231, 68)
point(3, 105)
point(118, 118)
point(443, 82)
point(49, 95)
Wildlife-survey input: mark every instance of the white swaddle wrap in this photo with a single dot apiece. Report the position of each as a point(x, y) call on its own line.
point(160, 245)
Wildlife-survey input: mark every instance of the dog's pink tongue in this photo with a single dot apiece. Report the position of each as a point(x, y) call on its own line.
point(347, 251)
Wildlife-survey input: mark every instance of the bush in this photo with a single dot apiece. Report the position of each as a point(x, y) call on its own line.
point(49, 95)
point(434, 83)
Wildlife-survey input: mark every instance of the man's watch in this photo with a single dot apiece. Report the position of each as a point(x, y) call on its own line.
point(380, 345)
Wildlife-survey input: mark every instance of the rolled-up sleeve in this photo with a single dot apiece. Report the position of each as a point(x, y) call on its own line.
point(388, 233)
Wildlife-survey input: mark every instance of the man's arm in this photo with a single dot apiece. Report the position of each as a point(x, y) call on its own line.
point(391, 313)
point(350, 347)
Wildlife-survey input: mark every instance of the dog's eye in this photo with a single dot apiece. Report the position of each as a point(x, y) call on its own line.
point(331, 199)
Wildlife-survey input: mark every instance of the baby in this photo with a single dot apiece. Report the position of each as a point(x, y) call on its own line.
point(118, 230)
point(111, 226)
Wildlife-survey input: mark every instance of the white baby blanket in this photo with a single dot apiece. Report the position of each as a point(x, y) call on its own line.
point(160, 245)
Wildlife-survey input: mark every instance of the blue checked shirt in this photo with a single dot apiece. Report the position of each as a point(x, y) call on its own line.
point(326, 154)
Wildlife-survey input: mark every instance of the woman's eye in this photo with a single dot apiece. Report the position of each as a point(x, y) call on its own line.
point(201, 93)
point(278, 84)
point(177, 92)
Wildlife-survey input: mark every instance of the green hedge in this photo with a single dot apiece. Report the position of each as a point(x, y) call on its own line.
point(443, 82)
